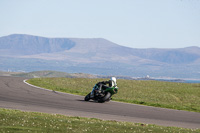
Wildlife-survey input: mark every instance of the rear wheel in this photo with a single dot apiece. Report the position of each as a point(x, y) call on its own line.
point(105, 98)
point(87, 98)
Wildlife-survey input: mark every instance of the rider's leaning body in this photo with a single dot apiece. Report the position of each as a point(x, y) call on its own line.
point(101, 86)
point(111, 83)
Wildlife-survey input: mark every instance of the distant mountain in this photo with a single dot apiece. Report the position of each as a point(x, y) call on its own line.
point(95, 56)
point(18, 44)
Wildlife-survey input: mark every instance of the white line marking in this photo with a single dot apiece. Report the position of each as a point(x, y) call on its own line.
point(48, 89)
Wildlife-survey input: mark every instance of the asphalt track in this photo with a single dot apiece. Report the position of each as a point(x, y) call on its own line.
point(15, 94)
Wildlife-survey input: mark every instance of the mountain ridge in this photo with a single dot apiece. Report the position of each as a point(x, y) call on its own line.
point(95, 54)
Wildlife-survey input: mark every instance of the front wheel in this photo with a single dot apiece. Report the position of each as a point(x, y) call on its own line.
point(87, 98)
point(105, 98)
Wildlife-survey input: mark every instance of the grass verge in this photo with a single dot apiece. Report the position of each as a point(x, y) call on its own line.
point(180, 96)
point(19, 121)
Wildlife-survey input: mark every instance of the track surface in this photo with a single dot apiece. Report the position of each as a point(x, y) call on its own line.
point(15, 94)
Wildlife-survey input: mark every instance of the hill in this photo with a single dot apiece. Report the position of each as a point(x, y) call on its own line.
point(95, 56)
point(42, 74)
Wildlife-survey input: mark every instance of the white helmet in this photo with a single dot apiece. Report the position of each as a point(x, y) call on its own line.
point(114, 81)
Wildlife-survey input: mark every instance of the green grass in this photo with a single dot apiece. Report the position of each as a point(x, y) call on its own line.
point(18, 121)
point(180, 96)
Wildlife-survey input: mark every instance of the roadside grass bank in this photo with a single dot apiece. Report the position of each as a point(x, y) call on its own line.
point(180, 96)
point(24, 122)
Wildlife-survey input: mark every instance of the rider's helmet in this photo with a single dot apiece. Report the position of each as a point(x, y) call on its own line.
point(114, 81)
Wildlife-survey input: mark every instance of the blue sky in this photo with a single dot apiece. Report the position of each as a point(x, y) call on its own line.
point(132, 23)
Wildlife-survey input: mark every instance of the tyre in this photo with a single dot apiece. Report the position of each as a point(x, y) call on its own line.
point(105, 98)
point(87, 98)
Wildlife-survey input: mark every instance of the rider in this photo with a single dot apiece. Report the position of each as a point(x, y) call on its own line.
point(112, 83)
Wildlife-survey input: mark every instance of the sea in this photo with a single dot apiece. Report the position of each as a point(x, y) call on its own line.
point(180, 80)
point(191, 81)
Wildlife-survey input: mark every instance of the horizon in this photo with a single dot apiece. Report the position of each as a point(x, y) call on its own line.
point(162, 78)
point(135, 24)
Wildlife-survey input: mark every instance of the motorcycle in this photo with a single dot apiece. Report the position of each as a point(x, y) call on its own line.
point(101, 95)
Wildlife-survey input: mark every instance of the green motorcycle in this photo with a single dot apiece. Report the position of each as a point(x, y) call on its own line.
point(101, 95)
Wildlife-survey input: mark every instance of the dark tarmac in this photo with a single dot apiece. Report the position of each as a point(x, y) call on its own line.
point(15, 94)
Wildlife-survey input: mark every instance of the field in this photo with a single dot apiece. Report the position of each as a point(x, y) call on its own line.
point(180, 96)
point(24, 122)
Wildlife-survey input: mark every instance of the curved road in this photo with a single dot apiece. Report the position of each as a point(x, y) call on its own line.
point(15, 94)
